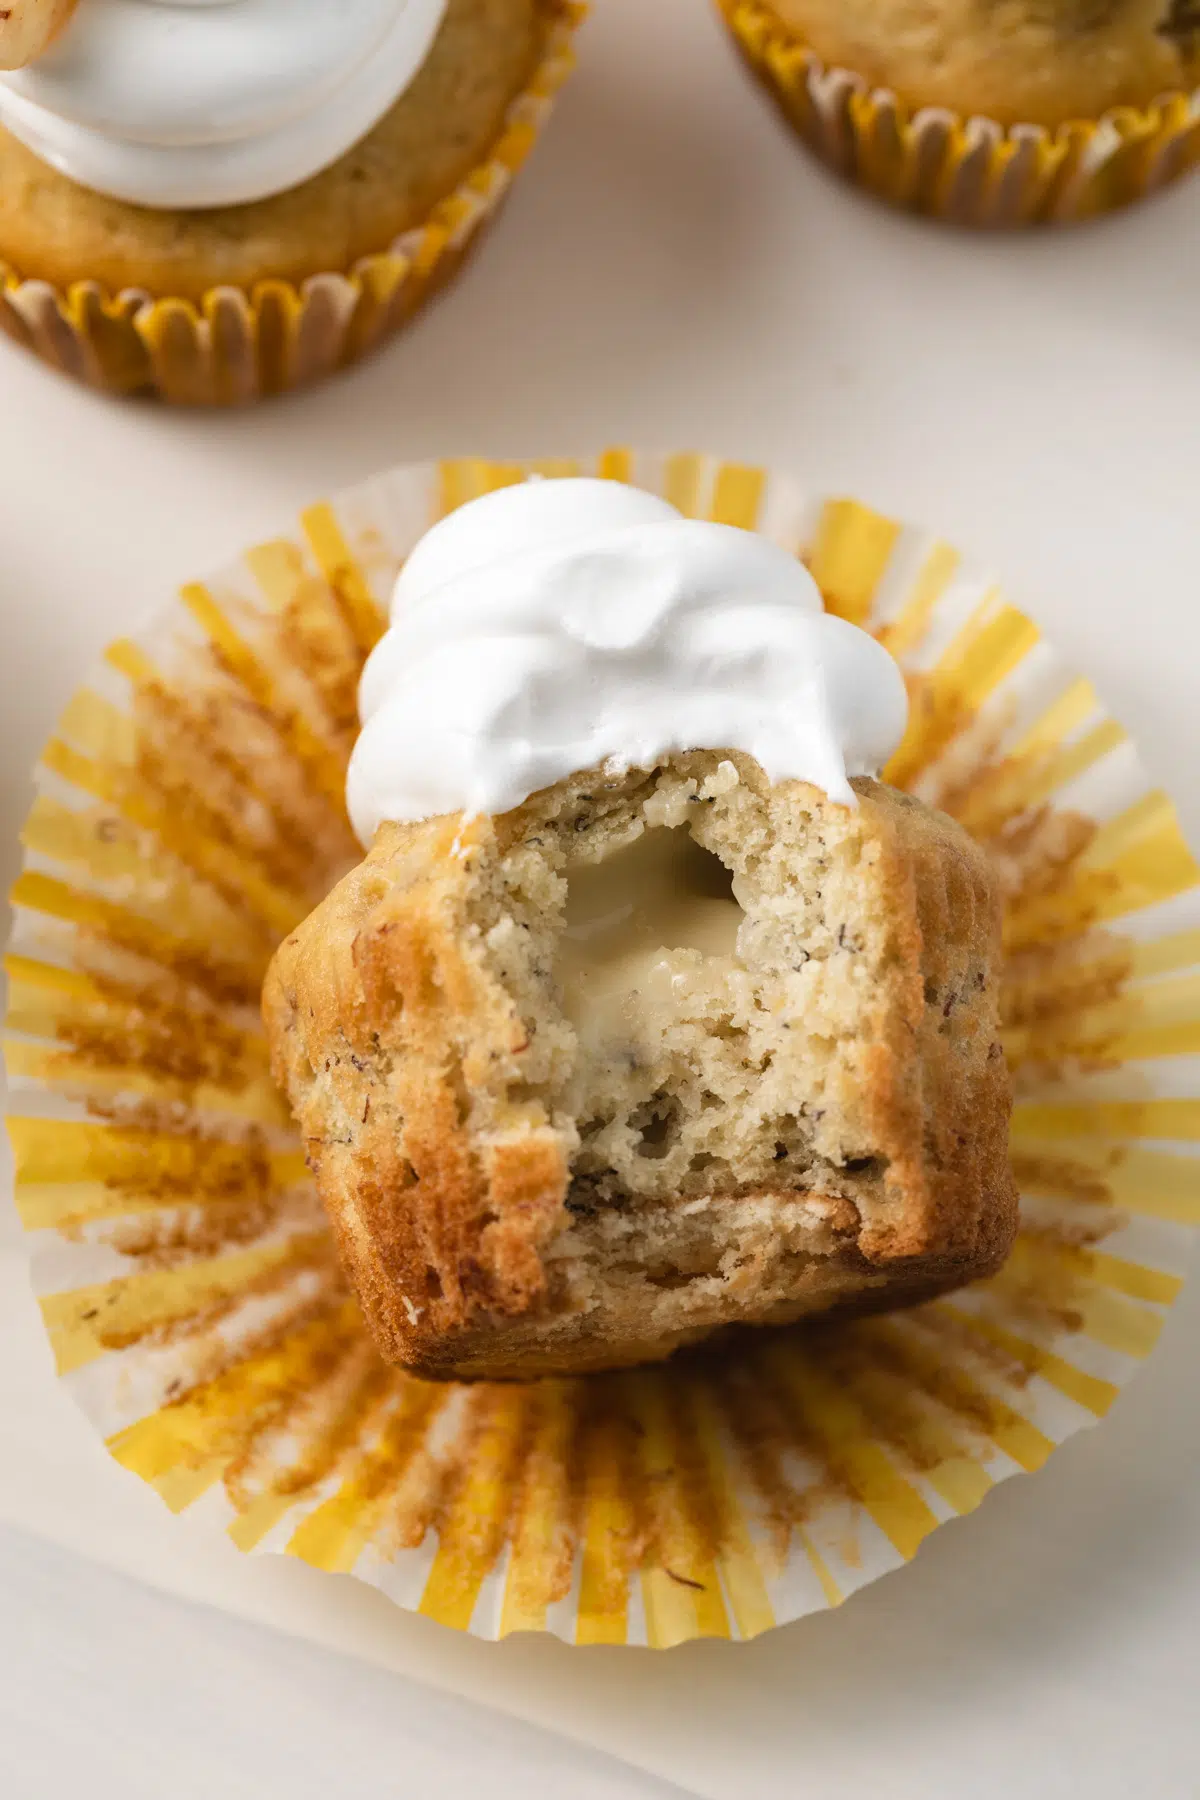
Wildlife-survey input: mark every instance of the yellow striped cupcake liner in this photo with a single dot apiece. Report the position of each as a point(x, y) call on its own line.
point(189, 813)
point(967, 171)
point(235, 346)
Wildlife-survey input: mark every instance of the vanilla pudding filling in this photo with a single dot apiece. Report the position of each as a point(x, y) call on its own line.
point(638, 925)
point(204, 103)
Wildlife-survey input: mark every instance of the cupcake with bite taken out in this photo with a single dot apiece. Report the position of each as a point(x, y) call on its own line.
point(214, 200)
point(649, 1011)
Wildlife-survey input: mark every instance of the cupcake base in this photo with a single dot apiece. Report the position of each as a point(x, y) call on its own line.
point(966, 171)
point(228, 306)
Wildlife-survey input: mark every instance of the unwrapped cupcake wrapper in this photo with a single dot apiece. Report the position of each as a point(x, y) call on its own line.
point(189, 813)
point(235, 346)
point(965, 170)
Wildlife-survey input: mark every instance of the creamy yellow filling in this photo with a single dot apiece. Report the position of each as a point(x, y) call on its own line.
point(637, 925)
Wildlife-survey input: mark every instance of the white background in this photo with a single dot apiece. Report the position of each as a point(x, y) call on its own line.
point(672, 272)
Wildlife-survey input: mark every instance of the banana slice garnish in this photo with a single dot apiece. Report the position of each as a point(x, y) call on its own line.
point(28, 27)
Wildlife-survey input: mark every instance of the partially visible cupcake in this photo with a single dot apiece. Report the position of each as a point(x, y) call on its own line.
point(986, 112)
point(213, 200)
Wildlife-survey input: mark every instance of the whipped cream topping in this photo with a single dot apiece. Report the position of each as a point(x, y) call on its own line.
point(553, 626)
point(197, 103)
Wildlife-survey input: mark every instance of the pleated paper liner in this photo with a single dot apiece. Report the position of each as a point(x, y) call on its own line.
point(237, 346)
point(967, 171)
point(189, 812)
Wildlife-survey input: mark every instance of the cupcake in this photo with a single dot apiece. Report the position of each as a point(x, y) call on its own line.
point(640, 1019)
point(219, 200)
point(188, 817)
point(1005, 113)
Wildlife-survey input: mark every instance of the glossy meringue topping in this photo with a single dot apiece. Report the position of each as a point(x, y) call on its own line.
point(553, 626)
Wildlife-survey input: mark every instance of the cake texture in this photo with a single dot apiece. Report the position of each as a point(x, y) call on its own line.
point(780, 1093)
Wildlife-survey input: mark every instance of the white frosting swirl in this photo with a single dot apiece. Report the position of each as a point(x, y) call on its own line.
point(549, 627)
point(196, 103)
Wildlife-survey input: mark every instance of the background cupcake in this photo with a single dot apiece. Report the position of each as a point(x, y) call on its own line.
point(986, 111)
point(218, 201)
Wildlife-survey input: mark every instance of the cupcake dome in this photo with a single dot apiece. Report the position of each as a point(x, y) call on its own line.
point(1036, 62)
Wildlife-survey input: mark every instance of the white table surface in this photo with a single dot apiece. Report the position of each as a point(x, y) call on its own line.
point(672, 272)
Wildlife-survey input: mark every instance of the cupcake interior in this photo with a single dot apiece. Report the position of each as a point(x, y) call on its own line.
point(656, 1052)
point(693, 956)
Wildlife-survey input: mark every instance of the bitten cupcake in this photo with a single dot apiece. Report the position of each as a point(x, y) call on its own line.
point(986, 112)
point(641, 1019)
point(607, 1092)
point(213, 200)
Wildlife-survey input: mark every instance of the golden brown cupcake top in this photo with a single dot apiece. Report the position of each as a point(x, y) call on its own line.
point(1039, 62)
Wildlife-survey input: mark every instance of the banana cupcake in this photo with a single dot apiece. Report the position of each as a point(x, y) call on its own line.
point(213, 200)
point(986, 112)
point(648, 1013)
